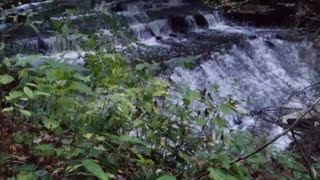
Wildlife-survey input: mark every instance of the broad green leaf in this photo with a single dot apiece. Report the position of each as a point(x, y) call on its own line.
point(80, 87)
point(6, 79)
point(95, 169)
point(201, 121)
point(40, 93)
point(193, 95)
point(45, 148)
point(69, 11)
point(23, 73)
point(26, 176)
point(65, 29)
point(140, 67)
point(9, 109)
point(217, 174)
point(219, 122)
point(82, 78)
point(186, 101)
point(50, 75)
point(70, 169)
point(88, 135)
point(28, 92)
point(51, 123)
point(166, 177)
point(225, 108)
point(14, 95)
point(31, 84)
point(24, 112)
point(59, 74)
point(129, 139)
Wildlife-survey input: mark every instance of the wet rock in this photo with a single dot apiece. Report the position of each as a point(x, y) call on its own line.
point(172, 35)
point(261, 15)
point(252, 37)
point(118, 7)
point(201, 21)
point(270, 44)
point(308, 120)
point(279, 36)
point(42, 45)
point(178, 23)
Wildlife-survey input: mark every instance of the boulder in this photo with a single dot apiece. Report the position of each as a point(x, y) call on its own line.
point(309, 120)
point(201, 21)
point(178, 23)
point(118, 7)
point(261, 15)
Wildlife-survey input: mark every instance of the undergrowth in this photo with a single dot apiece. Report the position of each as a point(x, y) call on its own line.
point(112, 120)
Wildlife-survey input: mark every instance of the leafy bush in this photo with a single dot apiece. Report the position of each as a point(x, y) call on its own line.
point(109, 120)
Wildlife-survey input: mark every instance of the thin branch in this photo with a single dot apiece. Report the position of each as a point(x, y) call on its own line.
point(278, 136)
point(304, 158)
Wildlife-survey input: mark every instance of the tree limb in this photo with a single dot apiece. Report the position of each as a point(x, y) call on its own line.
point(278, 136)
point(304, 158)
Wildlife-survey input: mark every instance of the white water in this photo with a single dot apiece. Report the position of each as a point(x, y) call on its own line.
point(49, 45)
point(151, 31)
point(258, 73)
point(192, 23)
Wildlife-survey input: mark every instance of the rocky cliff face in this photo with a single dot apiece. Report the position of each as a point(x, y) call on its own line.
point(285, 13)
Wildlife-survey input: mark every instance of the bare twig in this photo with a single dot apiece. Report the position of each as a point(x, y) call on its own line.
point(278, 136)
point(304, 158)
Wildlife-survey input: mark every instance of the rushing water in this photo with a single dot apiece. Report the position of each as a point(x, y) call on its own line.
point(260, 71)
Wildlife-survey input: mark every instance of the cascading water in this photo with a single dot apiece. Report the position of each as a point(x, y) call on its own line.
point(264, 71)
point(258, 71)
point(145, 29)
point(192, 23)
point(150, 31)
point(214, 19)
point(51, 45)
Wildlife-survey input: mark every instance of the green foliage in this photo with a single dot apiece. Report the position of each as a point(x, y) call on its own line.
point(119, 115)
point(166, 178)
point(6, 79)
point(95, 169)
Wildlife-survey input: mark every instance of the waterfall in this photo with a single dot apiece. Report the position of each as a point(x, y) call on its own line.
point(214, 19)
point(259, 73)
point(146, 30)
point(150, 31)
point(192, 23)
point(49, 45)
